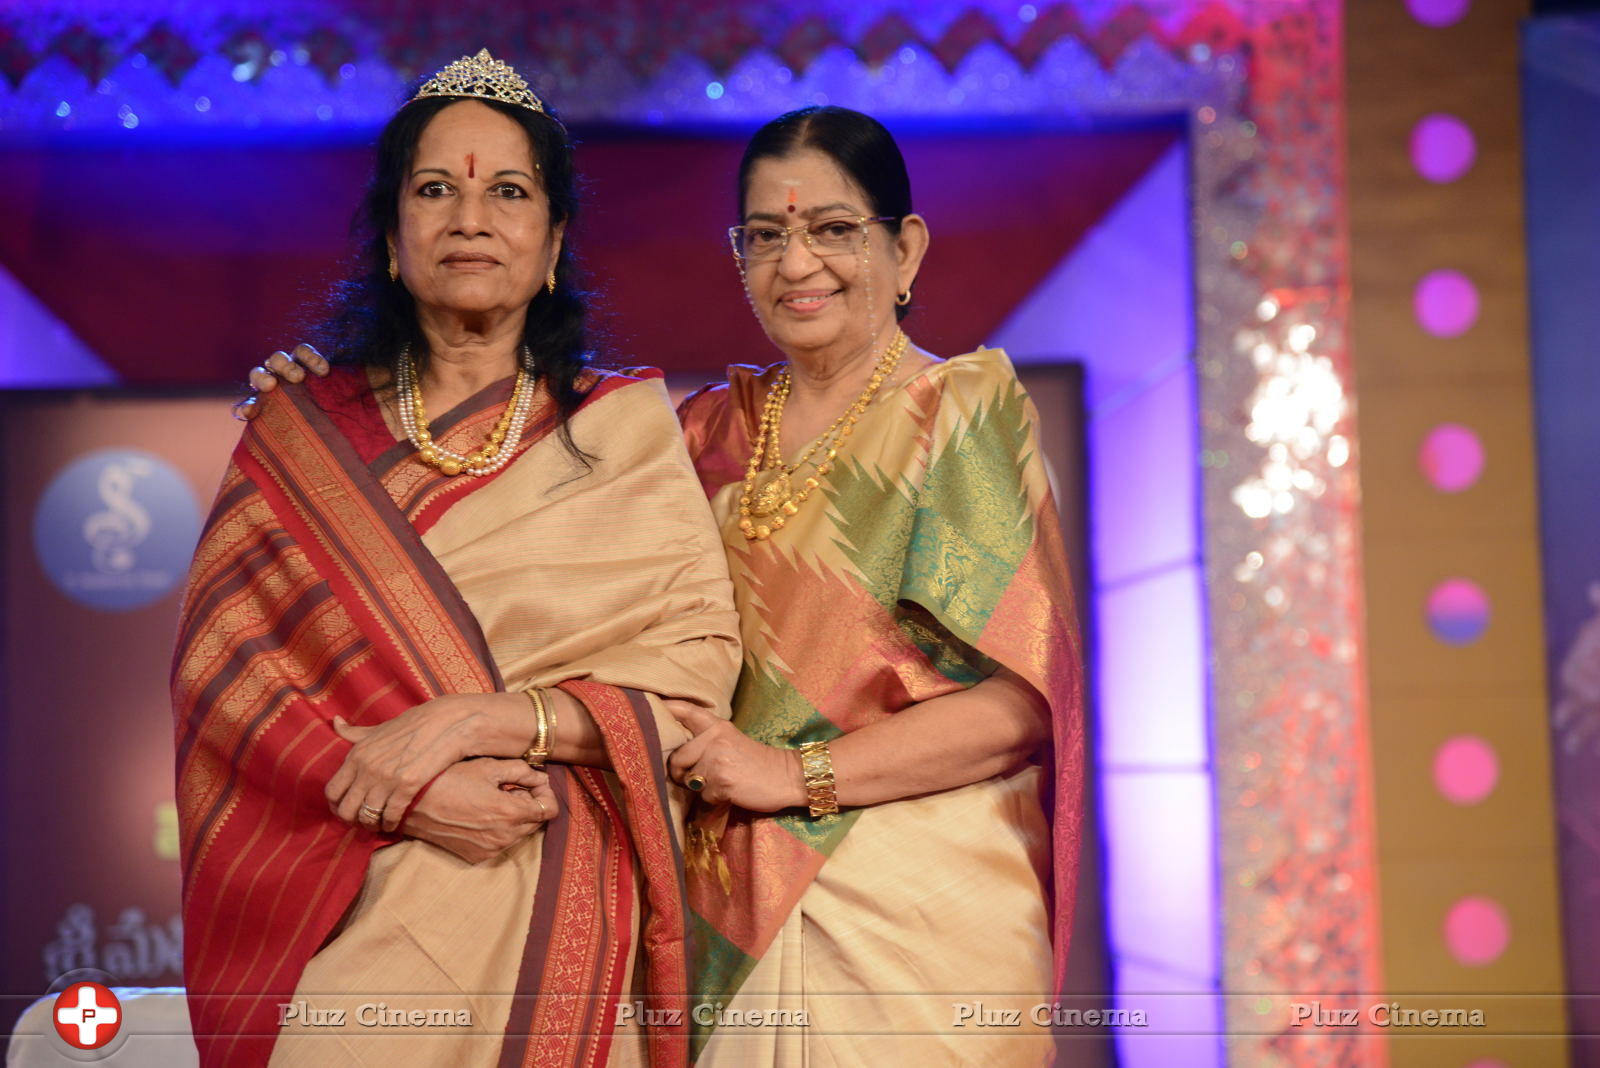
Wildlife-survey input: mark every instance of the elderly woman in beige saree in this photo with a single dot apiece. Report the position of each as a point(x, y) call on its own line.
point(426, 665)
point(621, 617)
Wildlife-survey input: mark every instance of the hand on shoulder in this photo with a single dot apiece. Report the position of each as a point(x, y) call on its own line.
point(289, 366)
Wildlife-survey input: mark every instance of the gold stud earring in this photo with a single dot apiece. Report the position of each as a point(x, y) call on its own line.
point(904, 298)
point(550, 282)
point(394, 268)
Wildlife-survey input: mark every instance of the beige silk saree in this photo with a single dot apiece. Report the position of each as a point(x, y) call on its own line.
point(341, 576)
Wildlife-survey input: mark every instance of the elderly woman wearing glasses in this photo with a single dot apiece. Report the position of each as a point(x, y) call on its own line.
point(885, 852)
point(443, 605)
point(889, 825)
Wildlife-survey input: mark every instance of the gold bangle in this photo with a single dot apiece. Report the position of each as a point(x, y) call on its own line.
point(816, 764)
point(539, 749)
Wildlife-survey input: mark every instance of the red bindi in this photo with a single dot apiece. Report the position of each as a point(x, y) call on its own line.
point(794, 195)
point(472, 163)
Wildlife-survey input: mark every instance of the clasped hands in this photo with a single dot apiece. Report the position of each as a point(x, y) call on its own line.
point(477, 806)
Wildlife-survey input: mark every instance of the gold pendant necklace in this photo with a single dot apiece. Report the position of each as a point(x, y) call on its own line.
point(776, 499)
point(775, 489)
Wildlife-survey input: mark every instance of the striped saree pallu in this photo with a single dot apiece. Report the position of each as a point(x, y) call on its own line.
point(311, 596)
point(931, 556)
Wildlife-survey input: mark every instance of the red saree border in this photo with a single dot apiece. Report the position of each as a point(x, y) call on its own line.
point(563, 979)
point(570, 985)
point(1058, 676)
point(363, 543)
point(327, 507)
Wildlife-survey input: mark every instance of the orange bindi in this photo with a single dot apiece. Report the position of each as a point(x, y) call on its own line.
point(794, 195)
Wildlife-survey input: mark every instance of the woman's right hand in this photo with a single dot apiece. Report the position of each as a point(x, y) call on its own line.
point(477, 809)
point(289, 366)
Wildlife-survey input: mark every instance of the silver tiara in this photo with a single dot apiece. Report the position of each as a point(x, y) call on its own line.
point(483, 77)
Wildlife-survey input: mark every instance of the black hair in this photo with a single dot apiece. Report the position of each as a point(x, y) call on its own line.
point(369, 320)
point(862, 147)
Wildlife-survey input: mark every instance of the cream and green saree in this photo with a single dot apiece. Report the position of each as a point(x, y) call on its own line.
point(929, 557)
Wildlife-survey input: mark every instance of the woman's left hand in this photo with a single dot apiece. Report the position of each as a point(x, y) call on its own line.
point(736, 768)
point(391, 762)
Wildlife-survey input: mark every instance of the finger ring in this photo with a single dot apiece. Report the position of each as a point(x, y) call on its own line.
point(696, 782)
point(370, 814)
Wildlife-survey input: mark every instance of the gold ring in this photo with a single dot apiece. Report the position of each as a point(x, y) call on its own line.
point(696, 782)
point(370, 815)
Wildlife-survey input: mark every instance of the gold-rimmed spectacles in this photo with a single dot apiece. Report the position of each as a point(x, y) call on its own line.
point(836, 236)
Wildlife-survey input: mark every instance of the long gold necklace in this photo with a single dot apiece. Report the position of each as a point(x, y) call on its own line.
point(765, 509)
point(494, 453)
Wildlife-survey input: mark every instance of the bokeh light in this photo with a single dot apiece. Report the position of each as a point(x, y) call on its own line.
point(1477, 931)
point(1466, 769)
point(1438, 12)
point(1458, 611)
point(1442, 148)
point(1446, 303)
point(1451, 458)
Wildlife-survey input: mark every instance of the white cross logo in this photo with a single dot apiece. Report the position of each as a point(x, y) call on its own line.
point(95, 1007)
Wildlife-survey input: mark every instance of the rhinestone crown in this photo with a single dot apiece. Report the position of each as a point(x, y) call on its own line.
point(484, 77)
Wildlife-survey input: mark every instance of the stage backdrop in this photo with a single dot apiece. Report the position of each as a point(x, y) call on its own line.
point(235, 239)
point(98, 530)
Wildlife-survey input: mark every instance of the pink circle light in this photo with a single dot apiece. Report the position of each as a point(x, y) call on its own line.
point(1458, 611)
point(1466, 769)
point(1451, 457)
point(1442, 148)
point(1438, 12)
point(1477, 931)
point(1446, 303)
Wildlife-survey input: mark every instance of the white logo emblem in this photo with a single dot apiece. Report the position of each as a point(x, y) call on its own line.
point(113, 534)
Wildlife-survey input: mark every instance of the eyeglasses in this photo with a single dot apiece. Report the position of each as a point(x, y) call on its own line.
point(758, 242)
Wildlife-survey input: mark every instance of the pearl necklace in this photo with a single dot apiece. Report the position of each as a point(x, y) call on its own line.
point(503, 439)
point(777, 500)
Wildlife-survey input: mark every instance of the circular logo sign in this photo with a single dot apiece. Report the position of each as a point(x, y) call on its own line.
point(116, 529)
point(87, 1015)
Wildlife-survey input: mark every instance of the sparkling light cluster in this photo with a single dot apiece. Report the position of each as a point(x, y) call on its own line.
point(1296, 849)
point(1298, 404)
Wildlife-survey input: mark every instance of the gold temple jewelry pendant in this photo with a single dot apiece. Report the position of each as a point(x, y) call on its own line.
point(770, 497)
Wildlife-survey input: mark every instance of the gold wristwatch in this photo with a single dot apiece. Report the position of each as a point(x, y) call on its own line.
point(816, 764)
